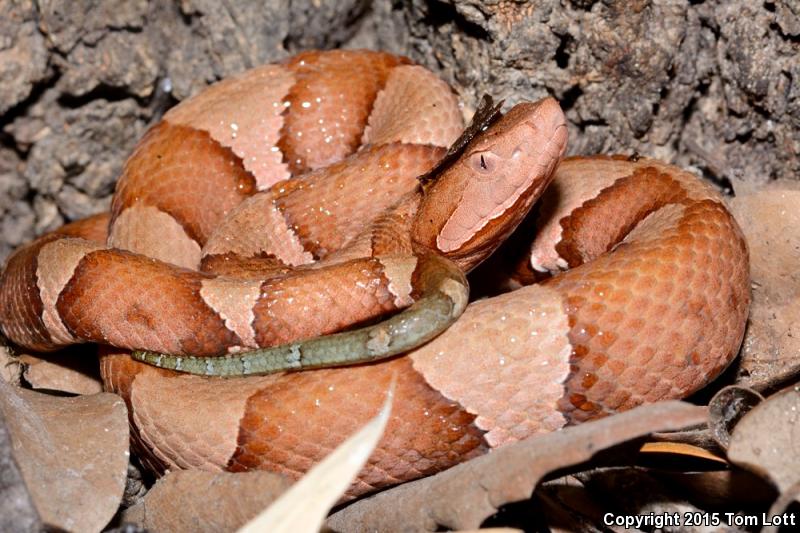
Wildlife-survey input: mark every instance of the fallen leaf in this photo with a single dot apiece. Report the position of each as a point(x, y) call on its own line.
point(465, 495)
point(72, 452)
point(66, 371)
point(726, 408)
point(303, 507)
point(700, 437)
point(682, 450)
point(200, 501)
point(779, 507)
point(764, 440)
point(17, 512)
point(770, 220)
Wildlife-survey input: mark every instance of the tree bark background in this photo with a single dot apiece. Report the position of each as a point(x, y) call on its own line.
point(708, 84)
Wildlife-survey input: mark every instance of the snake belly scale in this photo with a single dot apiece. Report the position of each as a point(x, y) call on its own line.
point(282, 206)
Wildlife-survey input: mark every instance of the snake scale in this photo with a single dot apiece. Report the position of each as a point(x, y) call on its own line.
point(277, 221)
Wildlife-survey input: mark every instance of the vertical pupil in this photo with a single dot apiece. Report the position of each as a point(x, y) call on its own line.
point(483, 163)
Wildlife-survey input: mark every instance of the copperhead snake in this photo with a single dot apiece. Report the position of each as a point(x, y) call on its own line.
point(211, 250)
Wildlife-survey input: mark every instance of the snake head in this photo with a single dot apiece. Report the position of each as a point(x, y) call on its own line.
point(480, 199)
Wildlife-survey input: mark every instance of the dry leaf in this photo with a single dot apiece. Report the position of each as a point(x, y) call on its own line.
point(66, 371)
point(72, 452)
point(700, 437)
point(199, 501)
point(303, 507)
point(779, 507)
point(680, 449)
point(465, 495)
point(764, 442)
point(770, 219)
point(726, 408)
point(765, 439)
point(17, 512)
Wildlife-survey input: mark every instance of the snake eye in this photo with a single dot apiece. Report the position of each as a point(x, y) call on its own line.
point(483, 162)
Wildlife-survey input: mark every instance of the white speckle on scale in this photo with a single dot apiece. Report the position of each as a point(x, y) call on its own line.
point(305, 105)
point(317, 402)
point(502, 360)
point(330, 388)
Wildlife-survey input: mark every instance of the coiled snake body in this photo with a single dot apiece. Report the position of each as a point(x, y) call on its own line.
point(210, 252)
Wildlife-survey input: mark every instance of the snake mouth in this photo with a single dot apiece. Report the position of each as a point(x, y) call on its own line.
point(553, 151)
